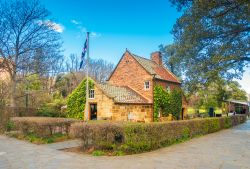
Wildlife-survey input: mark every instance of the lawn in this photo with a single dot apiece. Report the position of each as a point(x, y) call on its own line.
point(191, 110)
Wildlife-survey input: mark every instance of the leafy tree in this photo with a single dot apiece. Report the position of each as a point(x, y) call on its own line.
point(212, 39)
point(28, 37)
point(170, 60)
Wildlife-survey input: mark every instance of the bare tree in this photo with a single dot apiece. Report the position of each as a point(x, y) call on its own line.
point(29, 40)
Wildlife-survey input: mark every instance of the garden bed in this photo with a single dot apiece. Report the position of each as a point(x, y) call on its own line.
point(129, 138)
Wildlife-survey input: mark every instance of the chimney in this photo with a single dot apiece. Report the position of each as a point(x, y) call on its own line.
point(157, 58)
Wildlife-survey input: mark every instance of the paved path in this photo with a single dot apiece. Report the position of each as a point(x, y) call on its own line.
point(64, 145)
point(228, 149)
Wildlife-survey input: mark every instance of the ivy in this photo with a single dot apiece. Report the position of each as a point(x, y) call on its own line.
point(77, 99)
point(167, 102)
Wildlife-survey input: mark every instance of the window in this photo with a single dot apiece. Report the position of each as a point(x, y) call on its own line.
point(91, 93)
point(146, 85)
point(168, 88)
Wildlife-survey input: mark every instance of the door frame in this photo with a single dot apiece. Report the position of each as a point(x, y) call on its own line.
point(91, 103)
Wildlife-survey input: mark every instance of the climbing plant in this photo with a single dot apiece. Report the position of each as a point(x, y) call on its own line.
point(167, 102)
point(77, 99)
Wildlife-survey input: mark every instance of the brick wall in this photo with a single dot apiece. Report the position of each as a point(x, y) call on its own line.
point(130, 73)
point(164, 84)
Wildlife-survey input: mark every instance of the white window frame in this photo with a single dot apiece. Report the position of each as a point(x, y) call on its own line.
point(168, 88)
point(146, 86)
point(91, 94)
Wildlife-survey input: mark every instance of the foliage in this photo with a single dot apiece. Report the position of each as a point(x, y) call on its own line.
point(140, 137)
point(214, 94)
point(170, 60)
point(212, 39)
point(176, 103)
point(77, 99)
point(167, 102)
point(33, 138)
point(42, 126)
point(26, 28)
point(98, 153)
point(4, 92)
point(52, 109)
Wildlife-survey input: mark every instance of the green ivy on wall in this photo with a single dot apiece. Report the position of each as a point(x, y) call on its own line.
point(77, 99)
point(167, 102)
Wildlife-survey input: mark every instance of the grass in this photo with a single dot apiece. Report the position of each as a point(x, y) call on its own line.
point(191, 110)
point(33, 138)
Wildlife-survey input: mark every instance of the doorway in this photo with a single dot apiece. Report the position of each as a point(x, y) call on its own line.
point(93, 111)
point(182, 113)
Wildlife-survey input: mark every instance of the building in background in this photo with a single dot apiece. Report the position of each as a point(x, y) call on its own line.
point(4, 74)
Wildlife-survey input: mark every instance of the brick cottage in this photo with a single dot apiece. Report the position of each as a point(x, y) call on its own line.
point(128, 93)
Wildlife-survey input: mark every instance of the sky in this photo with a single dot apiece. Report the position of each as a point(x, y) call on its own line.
point(139, 26)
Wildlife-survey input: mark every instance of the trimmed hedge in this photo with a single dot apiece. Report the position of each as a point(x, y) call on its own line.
point(41, 126)
point(140, 137)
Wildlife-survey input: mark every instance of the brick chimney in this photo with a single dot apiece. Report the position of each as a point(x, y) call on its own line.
point(157, 58)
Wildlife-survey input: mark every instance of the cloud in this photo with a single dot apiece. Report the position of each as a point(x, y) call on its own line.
point(83, 30)
point(53, 25)
point(95, 35)
point(75, 22)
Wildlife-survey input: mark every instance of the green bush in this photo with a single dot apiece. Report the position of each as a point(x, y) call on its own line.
point(77, 99)
point(167, 102)
point(140, 137)
point(52, 109)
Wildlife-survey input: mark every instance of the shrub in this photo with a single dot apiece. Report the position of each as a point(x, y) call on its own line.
point(42, 126)
point(52, 109)
point(167, 102)
point(140, 137)
point(77, 99)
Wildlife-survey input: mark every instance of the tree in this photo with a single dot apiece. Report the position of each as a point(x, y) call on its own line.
point(212, 38)
point(170, 60)
point(28, 39)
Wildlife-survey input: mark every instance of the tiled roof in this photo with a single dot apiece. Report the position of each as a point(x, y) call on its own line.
point(153, 68)
point(121, 94)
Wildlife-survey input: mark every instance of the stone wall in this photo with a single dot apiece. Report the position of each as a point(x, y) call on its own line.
point(107, 109)
point(104, 104)
point(132, 112)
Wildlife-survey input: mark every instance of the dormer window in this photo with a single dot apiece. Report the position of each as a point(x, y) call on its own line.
point(91, 93)
point(146, 85)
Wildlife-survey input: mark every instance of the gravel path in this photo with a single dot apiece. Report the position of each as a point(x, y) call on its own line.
point(227, 149)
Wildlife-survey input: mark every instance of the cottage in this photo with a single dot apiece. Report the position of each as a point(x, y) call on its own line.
point(128, 93)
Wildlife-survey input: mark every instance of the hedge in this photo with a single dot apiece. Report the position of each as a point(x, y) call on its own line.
point(140, 137)
point(41, 126)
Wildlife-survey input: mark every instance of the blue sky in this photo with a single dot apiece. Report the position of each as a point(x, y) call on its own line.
point(140, 26)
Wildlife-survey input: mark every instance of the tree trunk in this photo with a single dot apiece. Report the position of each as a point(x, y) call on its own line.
point(13, 91)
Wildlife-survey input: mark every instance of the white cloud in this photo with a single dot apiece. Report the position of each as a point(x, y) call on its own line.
point(83, 30)
point(95, 35)
point(75, 22)
point(55, 26)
